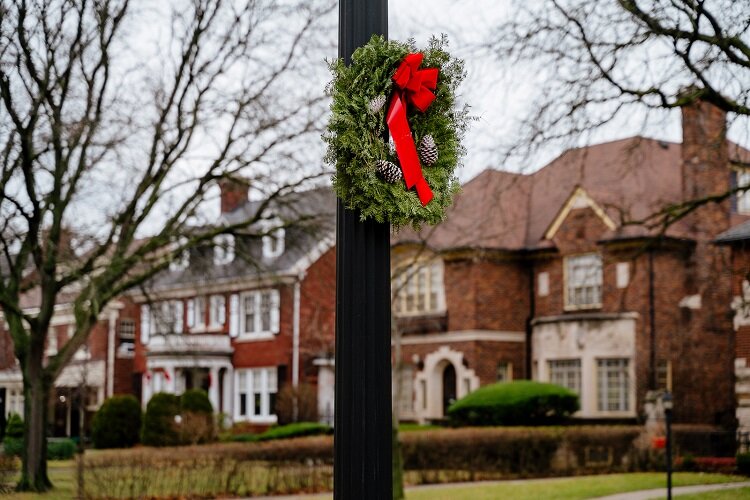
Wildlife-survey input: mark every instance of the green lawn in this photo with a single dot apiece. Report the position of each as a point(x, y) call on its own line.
point(566, 488)
point(62, 475)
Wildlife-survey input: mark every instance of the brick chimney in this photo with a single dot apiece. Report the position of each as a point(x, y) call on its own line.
point(705, 155)
point(233, 193)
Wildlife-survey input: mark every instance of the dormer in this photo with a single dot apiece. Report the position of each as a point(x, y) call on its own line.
point(273, 238)
point(223, 249)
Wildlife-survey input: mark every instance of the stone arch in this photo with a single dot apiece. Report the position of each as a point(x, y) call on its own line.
point(428, 383)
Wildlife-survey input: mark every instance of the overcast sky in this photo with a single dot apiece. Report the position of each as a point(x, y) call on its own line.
point(501, 94)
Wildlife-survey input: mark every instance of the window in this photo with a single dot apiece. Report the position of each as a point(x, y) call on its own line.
point(419, 289)
point(743, 197)
point(613, 387)
point(583, 274)
point(273, 240)
point(504, 371)
point(197, 313)
point(543, 285)
point(406, 390)
point(256, 393)
point(127, 336)
point(223, 249)
point(181, 260)
point(218, 311)
point(51, 342)
point(260, 312)
point(664, 374)
point(166, 317)
point(566, 373)
point(623, 274)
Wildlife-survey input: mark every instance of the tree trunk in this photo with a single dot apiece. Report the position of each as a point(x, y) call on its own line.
point(36, 401)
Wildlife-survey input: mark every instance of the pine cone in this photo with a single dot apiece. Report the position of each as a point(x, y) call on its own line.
point(389, 171)
point(376, 104)
point(428, 151)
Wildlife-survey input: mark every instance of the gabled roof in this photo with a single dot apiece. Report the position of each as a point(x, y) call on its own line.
point(628, 180)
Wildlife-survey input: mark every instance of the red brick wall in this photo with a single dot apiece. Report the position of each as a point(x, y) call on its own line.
point(317, 314)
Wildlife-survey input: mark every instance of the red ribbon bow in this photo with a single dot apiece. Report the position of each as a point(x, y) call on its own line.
point(415, 86)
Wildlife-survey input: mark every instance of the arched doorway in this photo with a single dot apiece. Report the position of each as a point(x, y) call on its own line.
point(449, 387)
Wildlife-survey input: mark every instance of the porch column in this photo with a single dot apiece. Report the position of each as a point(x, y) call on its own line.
point(213, 388)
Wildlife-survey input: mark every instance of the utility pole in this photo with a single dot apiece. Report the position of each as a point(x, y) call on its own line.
point(362, 423)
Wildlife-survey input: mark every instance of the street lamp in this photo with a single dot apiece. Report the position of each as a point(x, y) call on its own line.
point(668, 403)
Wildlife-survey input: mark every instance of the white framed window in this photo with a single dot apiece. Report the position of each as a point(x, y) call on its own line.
point(406, 393)
point(419, 289)
point(583, 280)
point(543, 284)
point(223, 249)
point(504, 371)
point(196, 313)
point(256, 394)
point(623, 274)
point(566, 373)
point(181, 260)
point(273, 241)
point(166, 317)
point(613, 386)
point(259, 314)
point(217, 313)
point(743, 197)
point(51, 342)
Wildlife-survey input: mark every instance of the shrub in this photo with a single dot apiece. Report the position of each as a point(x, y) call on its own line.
point(60, 448)
point(159, 423)
point(300, 429)
point(523, 402)
point(743, 463)
point(13, 440)
point(306, 399)
point(14, 428)
point(117, 423)
point(197, 424)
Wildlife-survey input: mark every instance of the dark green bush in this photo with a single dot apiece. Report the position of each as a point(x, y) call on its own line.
point(13, 446)
point(196, 400)
point(743, 463)
point(60, 448)
point(14, 428)
point(160, 427)
point(299, 429)
point(117, 424)
point(197, 425)
point(523, 402)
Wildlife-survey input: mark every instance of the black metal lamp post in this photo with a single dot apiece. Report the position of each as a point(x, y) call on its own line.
point(362, 422)
point(667, 402)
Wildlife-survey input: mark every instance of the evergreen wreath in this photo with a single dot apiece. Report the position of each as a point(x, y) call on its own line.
point(361, 94)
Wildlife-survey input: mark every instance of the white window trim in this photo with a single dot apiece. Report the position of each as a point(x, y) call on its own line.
point(213, 322)
point(405, 276)
point(566, 296)
point(275, 315)
point(630, 411)
point(743, 199)
point(566, 370)
point(267, 416)
point(224, 249)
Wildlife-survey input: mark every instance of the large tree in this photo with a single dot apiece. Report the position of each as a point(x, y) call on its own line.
point(611, 63)
point(117, 120)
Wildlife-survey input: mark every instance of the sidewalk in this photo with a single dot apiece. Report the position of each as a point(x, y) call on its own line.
point(633, 495)
point(682, 490)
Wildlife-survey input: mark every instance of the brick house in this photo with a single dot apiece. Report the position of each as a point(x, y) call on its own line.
point(562, 276)
point(101, 368)
point(244, 316)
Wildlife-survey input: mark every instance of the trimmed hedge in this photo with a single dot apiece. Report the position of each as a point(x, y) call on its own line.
point(300, 429)
point(523, 402)
point(117, 424)
point(60, 448)
point(197, 413)
point(160, 427)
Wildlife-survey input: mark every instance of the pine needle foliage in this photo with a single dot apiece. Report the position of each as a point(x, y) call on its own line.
point(355, 136)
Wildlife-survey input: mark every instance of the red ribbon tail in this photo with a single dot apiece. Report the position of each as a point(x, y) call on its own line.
point(406, 150)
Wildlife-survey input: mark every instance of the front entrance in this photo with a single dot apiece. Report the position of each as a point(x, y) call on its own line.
point(449, 387)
